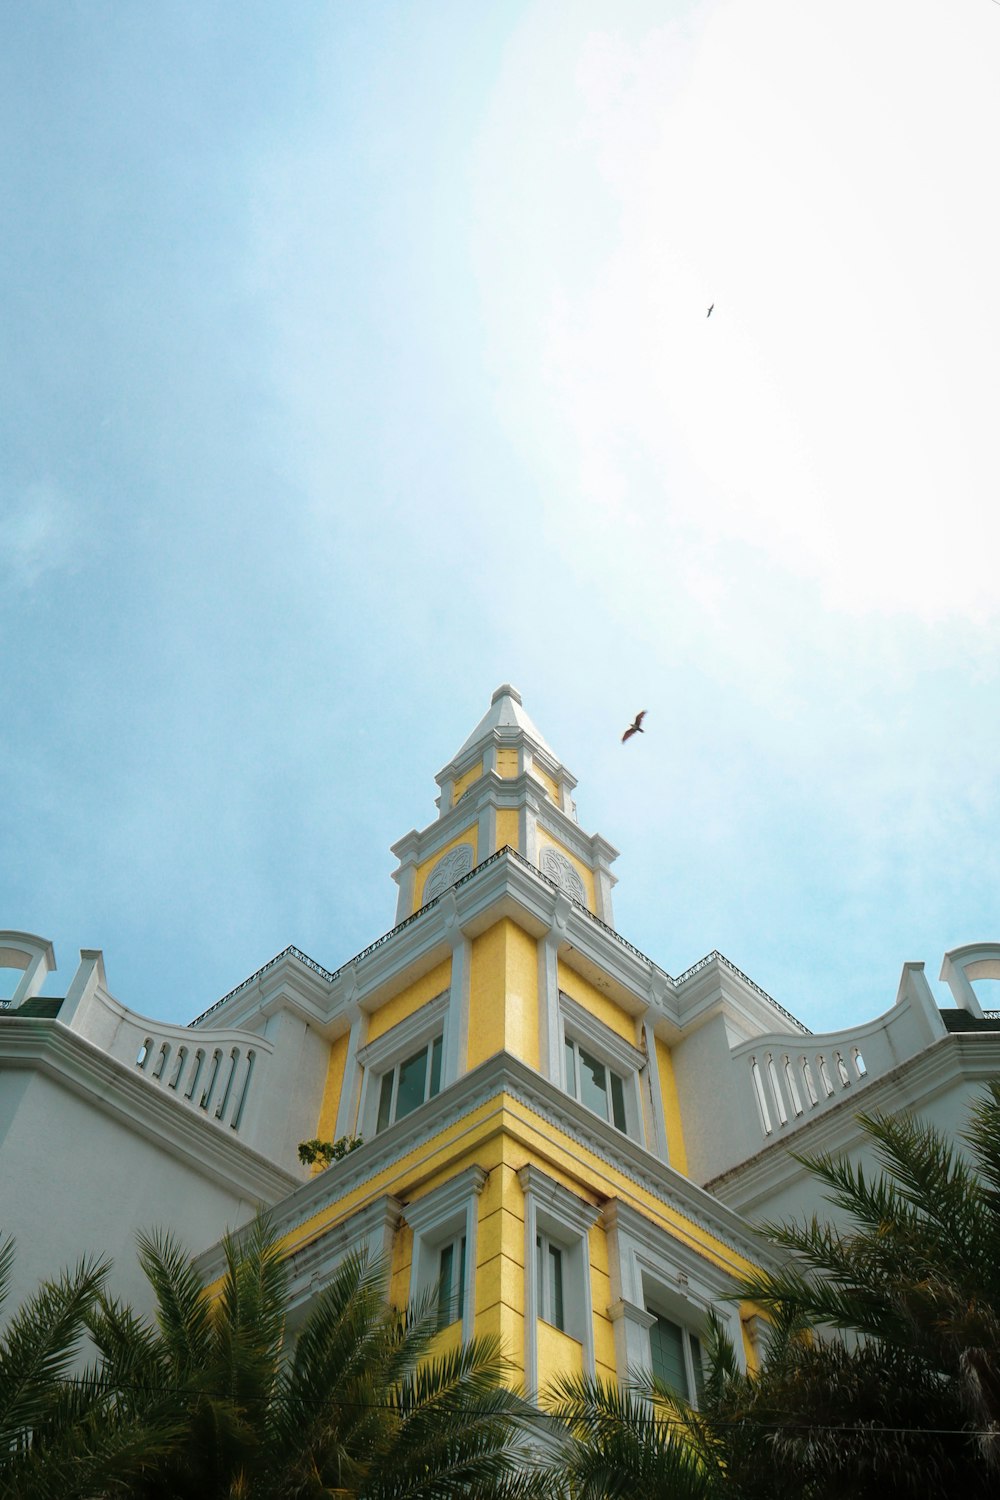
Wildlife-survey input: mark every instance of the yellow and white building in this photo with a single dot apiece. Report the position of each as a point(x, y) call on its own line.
point(557, 1134)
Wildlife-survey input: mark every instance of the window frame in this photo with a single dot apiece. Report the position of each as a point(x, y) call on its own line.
point(560, 1220)
point(551, 1294)
point(443, 1219)
point(692, 1344)
point(654, 1275)
point(621, 1060)
point(401, 1044)
point(432, 1051)
point(451, 1308)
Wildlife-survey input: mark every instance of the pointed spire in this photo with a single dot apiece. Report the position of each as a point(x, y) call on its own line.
point(505, 712)
point(505, 788)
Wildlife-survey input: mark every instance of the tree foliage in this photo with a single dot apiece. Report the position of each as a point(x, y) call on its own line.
point(881, 1372)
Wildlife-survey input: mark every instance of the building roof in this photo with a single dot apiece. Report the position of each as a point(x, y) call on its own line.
point(505, 712)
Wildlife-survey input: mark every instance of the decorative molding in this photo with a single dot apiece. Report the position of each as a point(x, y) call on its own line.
point(449, 868)
point(558, 1202)
point(554, 1210)
point(371, 1229)
point(504, 1078)
point(396, 1043)
point(435, 1219)
point(611, 1048)
point(632, 1313)
point(442, 1203)
point(555, 866)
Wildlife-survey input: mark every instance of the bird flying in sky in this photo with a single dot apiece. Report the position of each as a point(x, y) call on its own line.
point(709, 313)
point(635, 727)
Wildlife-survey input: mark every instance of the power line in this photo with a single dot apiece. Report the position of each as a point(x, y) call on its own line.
point(637, 1418)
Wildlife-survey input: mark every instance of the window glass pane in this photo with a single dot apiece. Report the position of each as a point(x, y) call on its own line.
point(412, 1083)
point(554, 1259)
point(699, 1368)
point(593, 1084)
point(666, 1350)
point(451, 1282)
point(445, 1288)
point(460, 1291)
point(385, 1100)
point(617, 1101)
point(435, 1087)
point(570, 1069)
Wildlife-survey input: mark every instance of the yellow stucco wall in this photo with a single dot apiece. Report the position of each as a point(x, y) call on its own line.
point(433, 983)
point(508, 826)
point(748, 1311)
point(507, 758)
point(558, 1354)
point(548, 782)
point(586, 875)
point(671, 1107)
point(487, 990)
point(592, 999)
point(467, 778)
point(503, 1005)
point(467, 836)
point(500, 1251)
point(501, 1136)
point(327, 1120)
point(600, 1288)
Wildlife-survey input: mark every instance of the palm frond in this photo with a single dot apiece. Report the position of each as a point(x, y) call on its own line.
point(39, 1345)
point(618, 1445)
point(181, 1301)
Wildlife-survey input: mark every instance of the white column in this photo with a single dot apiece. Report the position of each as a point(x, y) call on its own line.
point(549, 1025)
point(631, 1324)
point(456, 1026)
point(531, 1290)
point(350, 1088)
point(656, 1125)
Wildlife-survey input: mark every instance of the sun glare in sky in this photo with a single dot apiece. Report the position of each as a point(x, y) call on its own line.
point(359, 359)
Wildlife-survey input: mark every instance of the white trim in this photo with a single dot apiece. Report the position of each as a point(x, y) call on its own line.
point(126, 1094)
point(566, 1220)
point(617, 1055)
point(607, 1044)
point(370, 1230)
point(647, 1265)
point(442, 1216)
point(394, 1046)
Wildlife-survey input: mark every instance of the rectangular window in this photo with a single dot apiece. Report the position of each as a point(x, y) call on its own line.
point(588, 1080)
point(550, 1282)
point(675, 1358)
point(451, 1283)
point(409, 1084)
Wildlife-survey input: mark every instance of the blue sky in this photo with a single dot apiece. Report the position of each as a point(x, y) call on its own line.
point(355, 360)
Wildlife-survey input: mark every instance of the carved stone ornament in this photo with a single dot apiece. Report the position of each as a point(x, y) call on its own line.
point(449, 868)
point(555, 866)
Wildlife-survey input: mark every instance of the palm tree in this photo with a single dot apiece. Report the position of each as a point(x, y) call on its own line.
point(60, 1436)
point(913, 1284)
point(881, 1375)
point(358, 1409)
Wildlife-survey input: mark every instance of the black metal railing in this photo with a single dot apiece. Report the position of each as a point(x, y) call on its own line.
point(505, 853)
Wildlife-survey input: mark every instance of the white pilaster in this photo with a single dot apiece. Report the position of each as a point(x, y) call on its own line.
point(456, 1027)
point(656, 1125)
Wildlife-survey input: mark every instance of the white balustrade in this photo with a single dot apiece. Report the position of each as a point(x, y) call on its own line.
point(208, 1071)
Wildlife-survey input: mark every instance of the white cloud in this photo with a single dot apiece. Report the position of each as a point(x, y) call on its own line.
point(38, 535)
point(820, 174)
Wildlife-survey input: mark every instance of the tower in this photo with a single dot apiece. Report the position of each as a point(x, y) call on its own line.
point(506, 1058)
